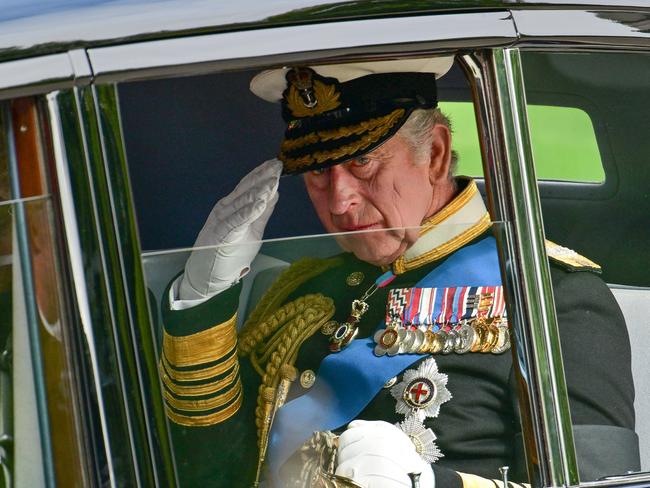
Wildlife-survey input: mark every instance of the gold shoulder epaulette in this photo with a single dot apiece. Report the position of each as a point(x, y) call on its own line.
point(569, 259)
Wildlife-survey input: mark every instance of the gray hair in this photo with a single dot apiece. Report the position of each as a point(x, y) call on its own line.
point(417, 133)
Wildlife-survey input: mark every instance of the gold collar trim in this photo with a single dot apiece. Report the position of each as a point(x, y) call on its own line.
point(457, 224)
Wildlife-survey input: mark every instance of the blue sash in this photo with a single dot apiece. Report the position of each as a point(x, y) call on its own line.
point(349, 380)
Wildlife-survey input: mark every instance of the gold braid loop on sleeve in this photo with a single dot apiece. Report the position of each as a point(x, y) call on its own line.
point(256, 328)
point(274, 333)
point(288, 328)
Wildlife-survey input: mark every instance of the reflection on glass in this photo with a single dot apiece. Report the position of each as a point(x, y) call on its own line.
point(55, 349)
point(5, 188)
point(29, 147)
point(21, 458)
point(40, 367)
point(6, 388)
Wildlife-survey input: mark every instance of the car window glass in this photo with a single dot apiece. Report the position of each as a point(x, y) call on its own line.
point(602, 232)
point(191, 140)
point(308, 285)
point(564, 144)
point(37, 405)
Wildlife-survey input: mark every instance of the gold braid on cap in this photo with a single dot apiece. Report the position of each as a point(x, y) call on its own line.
point(338, 133)
point(320, 157)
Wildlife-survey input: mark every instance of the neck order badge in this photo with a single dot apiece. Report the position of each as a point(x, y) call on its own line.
point(348, 330)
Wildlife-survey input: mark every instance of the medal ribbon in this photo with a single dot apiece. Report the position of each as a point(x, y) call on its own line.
point(438, 307)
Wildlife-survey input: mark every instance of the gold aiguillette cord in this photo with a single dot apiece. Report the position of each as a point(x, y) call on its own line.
point(273, 399)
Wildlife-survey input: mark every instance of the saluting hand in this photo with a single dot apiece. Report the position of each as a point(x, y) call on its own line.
point(232, 233)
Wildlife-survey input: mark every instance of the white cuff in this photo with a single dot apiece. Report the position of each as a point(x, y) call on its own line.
point(175, 303)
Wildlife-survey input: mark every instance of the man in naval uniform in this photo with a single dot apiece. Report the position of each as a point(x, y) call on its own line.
point(400, 345)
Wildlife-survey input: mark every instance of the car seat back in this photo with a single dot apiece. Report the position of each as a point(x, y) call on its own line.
point(635, 304)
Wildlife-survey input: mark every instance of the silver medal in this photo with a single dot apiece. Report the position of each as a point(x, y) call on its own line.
point(417, 341)
point(450, 342)
point(422, 438)
point(407, 344)
point(466, 337)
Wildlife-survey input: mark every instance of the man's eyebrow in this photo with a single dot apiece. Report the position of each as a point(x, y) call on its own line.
point(379, 153)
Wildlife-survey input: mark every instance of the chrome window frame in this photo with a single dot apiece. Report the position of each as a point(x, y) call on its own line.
point(502, 114)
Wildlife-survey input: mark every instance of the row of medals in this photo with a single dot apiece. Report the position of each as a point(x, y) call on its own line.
point(474, 335)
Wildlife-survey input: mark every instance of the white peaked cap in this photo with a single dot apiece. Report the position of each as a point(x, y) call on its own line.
point(270, 84)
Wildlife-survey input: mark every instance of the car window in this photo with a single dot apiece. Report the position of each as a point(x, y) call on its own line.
point(194, 151)
point(37, 403)
point(608, 227)
point(564, 142)
point(201, 141)
point(579, 215)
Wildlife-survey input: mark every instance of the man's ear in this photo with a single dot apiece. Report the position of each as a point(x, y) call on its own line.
point(440, 154)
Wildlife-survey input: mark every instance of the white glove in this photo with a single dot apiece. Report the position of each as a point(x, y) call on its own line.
point(380, 455)
point(233, 231)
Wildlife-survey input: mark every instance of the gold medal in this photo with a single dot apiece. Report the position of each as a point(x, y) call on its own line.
point(438, 342)
point(426, 344)
point(503, 339)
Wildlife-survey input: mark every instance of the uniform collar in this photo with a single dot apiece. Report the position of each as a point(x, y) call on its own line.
point(458, 223)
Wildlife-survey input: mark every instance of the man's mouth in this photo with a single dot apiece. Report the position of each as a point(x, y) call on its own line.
point(356, 228)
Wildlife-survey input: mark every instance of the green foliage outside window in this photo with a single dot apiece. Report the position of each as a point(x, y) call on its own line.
point(563, 140)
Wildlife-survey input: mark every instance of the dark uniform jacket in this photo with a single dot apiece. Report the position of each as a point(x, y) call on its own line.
point(214, 398)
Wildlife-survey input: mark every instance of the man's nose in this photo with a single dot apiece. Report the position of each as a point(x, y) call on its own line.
point(343, 189)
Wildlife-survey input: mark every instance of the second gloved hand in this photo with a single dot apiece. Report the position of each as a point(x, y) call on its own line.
point(379, 455)
point(232, 232)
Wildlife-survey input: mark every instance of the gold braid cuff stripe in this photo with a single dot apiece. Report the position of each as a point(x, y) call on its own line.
point(401, 265)
point(204, 404)
point(319, 157)
point(199, 390)
point(205, 420)
point(333, 134)
point(201, 374)
point(203, 347)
